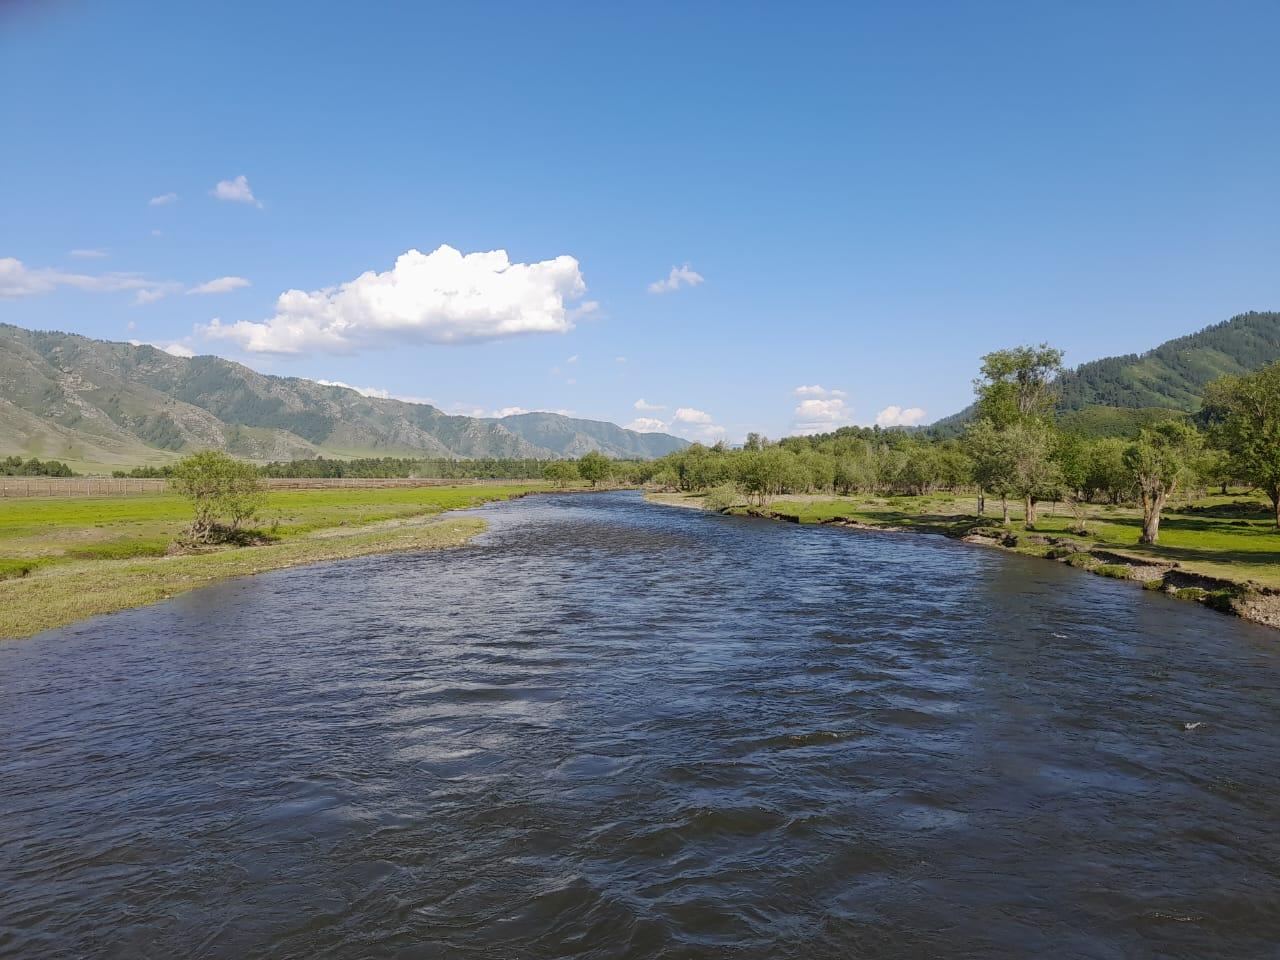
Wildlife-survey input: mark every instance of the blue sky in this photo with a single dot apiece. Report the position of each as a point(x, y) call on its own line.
point(861, 198)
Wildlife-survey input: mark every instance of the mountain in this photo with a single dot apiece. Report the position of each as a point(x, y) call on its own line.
point(1115, 395)
point(100, 403)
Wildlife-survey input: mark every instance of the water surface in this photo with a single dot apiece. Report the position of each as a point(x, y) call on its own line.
point(610, 729)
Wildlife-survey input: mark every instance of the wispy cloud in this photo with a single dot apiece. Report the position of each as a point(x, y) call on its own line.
point(643, 404)
point(89, 254)
point(19, 280)
point(220, 285)
point(679, 277)
point(236, 191)
point(163, 200)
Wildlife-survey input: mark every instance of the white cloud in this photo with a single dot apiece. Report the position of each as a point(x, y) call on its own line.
point(896, 416)
point(814, 390)
point(647, 425)
point(508, 412)
point(677, 278)
point(643, 404)
point(821, 414)
point(378, 393)
point(236, 191)
point(221, 285)
point(690, 415)
point(375, 393)
point(19, 280)
point(573, 359)
point(89, 254)
point(438, 297)
point(157, 233)
point(164, 199)
point(175, 348)
point(143, 297)
point(619, 359)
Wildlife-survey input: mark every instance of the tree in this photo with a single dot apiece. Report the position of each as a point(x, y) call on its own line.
point(1244, 417)
point(1158, 463)
point(1032, 473)
point(1018, 384)
point(992, 466)
point(594, 466)
point(561, 472)
point(220, 488)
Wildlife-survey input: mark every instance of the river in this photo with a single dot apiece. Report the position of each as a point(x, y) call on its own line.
point(611, 729)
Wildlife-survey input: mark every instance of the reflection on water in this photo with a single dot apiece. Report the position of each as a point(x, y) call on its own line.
point(610, 729)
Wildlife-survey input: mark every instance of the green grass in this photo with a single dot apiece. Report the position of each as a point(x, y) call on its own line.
point(1231, 537)
point(66, 558)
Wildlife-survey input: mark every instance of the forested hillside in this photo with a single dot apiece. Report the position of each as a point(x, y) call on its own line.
point(1115, 396)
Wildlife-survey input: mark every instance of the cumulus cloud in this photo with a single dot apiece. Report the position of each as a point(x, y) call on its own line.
point(220, 285)
point(896, 416)
point(815, 390)
point(236, 191)
point(677, 278)
point(690, 415)
point(647, 425)
point(166, 198)
point(643, 404)
point(696, 425)
point(440, 297)
point(819, 414)
point(89, 254)
point(19, 280)
point(509, 412)
point(175, 348)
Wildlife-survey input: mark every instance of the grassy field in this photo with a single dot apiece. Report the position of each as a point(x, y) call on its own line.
point(1227, 537)
point(66, 558)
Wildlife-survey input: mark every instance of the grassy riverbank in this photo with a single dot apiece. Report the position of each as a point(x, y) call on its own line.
point(1222, 550)
point(63, 559)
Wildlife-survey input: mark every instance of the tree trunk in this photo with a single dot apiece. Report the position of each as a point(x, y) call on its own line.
point(1029, 511)
point(1275, 504)
point(982, 503)
point(1151, 508)
point(1004, 506)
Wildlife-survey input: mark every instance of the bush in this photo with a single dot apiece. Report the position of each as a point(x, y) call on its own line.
point(225, 493)
point(721, 498)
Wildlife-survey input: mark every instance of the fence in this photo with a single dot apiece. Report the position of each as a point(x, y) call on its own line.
point(131, 486)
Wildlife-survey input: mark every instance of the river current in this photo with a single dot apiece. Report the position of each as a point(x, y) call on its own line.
point(610, 729)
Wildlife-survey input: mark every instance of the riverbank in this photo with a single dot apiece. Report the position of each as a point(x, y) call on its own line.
point(66, 559)
point(1222, 552)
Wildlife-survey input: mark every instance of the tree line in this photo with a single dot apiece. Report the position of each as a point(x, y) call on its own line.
point(33, 467)
point(1013, 451)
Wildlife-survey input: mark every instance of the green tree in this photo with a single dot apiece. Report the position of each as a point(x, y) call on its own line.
point(1244, 413)
point(1018, 384)
point(1033, 475)
point(561, 472)
point(594, 466)
point(992, 464)
point(1158, 463)
point(225, 492)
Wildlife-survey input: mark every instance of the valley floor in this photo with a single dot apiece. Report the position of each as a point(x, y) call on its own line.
point(1223, 551)
point(67, 558)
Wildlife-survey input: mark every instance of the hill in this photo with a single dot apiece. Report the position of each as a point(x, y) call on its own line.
point(99, 403)
point(1116, 395)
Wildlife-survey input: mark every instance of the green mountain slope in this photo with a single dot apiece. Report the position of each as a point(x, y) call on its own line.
point(1116, 395)
point(100, 403)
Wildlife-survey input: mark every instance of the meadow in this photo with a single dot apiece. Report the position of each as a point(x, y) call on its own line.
point(66, 558)
point(1229, 537)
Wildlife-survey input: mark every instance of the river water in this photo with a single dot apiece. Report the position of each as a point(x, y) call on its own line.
point(611, 729)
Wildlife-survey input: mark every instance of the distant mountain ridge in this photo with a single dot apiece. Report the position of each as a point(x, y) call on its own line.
point(102, 402)
point(1171, 376)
